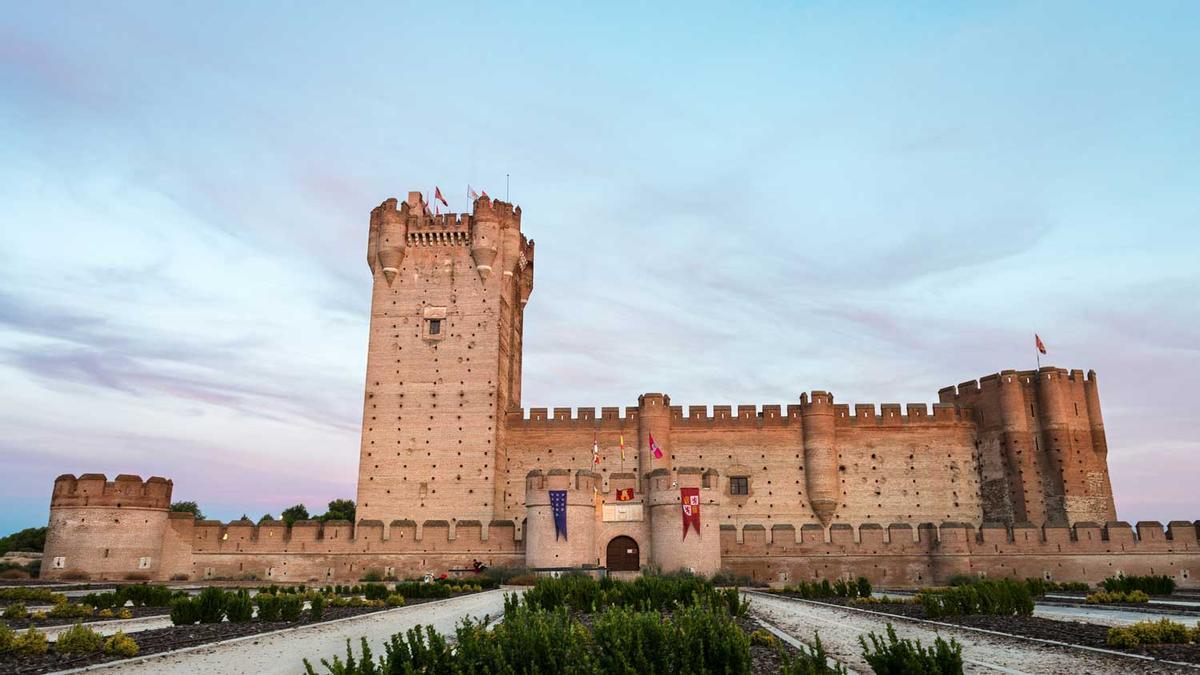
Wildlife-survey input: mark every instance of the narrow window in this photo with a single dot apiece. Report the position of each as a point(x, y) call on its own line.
point(739, 485)
point(435, 326)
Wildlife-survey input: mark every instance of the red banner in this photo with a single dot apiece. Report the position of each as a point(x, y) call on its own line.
point(690, 497)
point(625, 494)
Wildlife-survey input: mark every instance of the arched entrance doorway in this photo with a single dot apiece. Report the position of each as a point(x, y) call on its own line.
point(623, 555)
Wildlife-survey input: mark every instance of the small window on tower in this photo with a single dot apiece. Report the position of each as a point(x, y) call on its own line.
point(739, 485)
point(435, 326)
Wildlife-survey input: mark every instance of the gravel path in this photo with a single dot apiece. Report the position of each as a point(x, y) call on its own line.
point(1105, 617)
point(110, 627)
point(282, 652)
point(982, 653)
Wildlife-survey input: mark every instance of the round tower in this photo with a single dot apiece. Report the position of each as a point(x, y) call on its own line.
point(102, 529)
point(672, 548)
point(654, 422)
point(820, 454)
point(1025, 475)
point(386, 239)
point(546, 545)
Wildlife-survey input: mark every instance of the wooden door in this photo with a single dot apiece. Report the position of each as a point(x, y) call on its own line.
point(623, 555)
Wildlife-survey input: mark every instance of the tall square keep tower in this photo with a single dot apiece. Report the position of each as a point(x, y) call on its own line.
point(444, 359)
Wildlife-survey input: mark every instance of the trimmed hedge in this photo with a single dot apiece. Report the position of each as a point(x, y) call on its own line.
point(1153, 585)
point(840, 588)
point(1003, 597)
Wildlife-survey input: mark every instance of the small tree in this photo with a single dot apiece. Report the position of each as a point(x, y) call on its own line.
point(293, 513)
point(339, 509)
point(266, 518)
point(188, 507)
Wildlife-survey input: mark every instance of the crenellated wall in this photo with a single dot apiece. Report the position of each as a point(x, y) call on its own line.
point(451, 469)
point(902, 556)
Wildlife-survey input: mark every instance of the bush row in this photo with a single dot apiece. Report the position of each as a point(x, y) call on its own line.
point(1104, 597)
point(1003, 597)
point(77, 639)
point(28, 595)
point(1153, 585)
point(584, 594)
point(1163, 631)
point(138, 595)
point(535, 640)
point(214, 605)
point(840, 588)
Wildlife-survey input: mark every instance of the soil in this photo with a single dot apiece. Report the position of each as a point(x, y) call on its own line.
point(176, 637)
point(1070, 632)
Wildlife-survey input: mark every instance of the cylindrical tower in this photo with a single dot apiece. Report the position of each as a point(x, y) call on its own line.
point(672, 549)
point(1025, 475)
point(654, 421)
point(106, 530)
point(820, 454)
point(391, 225)
point(545, 547)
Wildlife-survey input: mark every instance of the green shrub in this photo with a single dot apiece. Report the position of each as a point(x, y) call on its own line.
point(316, 607)
point(109, 600)
point(105, 614)
point(372, 575)
point(763, 638)
point(239, 608)
point(1121, 638)
point(417, 589)
point(585, 594)
point(812, 660)
point(1003, 597)
point(17, 610)
point(145, 595)
point(210, 605)
point(290, 607)
point(1105, 597)
point(184, 612)
point(70, 610)
point(124, 613)
point(28, 595)
point(78, 640)
point(30, 643)
point(892, 656)
point(395, 600)
point(374, 591)
point(1154, 585)
point(7, 637)
point(840, 588)
point(269, 606)
point(120, 644)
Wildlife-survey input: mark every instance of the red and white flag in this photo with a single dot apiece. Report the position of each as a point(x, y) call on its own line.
point(1041, 346)
point(658, 453)
point(437, 194)
point(472, 193)
point(690, 498)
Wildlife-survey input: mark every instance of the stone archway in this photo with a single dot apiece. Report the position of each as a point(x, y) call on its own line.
point(623, 555)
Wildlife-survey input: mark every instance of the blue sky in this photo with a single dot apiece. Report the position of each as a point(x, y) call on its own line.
point(732, 204)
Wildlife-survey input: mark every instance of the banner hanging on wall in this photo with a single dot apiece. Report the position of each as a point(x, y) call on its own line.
point(558, 506)
point(690, 497)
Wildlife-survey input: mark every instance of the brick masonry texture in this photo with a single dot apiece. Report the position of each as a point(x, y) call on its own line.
point(1003, 476)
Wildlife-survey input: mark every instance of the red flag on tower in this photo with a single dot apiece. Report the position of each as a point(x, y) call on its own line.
point(437, 194)
point(472, 193)
point(1041, 346)
point(658, 453)
point(595, 449)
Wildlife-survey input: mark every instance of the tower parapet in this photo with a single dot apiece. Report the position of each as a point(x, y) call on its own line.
point(106, 529)
point(543, 548)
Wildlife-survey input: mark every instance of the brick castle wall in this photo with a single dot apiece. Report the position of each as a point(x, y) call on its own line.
point(451, 468)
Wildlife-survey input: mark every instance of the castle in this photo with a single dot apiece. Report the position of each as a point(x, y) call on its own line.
point(1006, 475)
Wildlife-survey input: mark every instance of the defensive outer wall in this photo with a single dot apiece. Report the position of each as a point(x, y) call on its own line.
point(1003, 476)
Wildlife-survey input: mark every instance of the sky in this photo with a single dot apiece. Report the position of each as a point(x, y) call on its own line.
point(733, 203)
